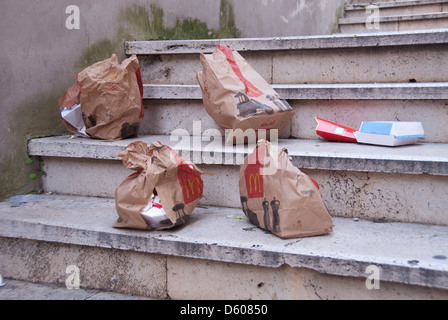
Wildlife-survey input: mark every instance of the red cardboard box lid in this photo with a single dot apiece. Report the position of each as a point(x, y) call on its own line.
point(334, 132)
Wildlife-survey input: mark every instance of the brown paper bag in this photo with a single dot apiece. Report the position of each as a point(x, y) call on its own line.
point(237, 97)
point(278, 197)
point(111, 99)
point(159, 171)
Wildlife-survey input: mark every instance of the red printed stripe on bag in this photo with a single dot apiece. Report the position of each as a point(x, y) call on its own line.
point(140, 87)
point(251, 90)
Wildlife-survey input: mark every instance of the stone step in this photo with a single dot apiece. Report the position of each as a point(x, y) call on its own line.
point(390, 2)
point(27, 290)
point(348, 91)
point(405, 184)
point(397, 8)
point(169, 107)
point(217, 255)
point(421, 21)
point(392, 57)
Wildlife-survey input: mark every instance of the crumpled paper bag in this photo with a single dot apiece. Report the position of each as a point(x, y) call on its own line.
point(158, 171)
point(106, 101)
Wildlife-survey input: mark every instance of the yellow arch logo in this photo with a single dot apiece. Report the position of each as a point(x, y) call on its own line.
point(189, 186)
point(114, 76)
point(254, 183)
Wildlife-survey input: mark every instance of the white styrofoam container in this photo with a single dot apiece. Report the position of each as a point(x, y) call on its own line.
point(390, 133)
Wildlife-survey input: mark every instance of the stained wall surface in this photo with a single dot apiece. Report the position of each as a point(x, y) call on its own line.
point(40, 52)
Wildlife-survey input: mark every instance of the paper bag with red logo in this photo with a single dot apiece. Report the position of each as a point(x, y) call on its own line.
point(163, 191)
point(278, 197)
point(237, 97)
point(111, 98)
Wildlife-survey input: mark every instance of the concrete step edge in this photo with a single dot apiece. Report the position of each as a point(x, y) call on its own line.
point(336, 41)
point(393, 4)
point(361, 91)
point(397, 18)
point(405, 253)
point(427, 158)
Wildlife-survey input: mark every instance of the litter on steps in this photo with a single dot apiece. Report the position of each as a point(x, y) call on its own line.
point(278, 197)
point(163, 191)
point(239, 99)
point(106, 101)
point(381, 133)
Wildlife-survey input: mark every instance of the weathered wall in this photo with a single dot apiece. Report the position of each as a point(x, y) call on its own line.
point(39, 55)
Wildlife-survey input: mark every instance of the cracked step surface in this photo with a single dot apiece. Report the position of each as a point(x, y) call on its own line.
point(405, 253)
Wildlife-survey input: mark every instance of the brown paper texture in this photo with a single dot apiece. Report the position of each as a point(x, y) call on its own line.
point(111, 99)
point(157, 169)
point(278, 197)
point(237, 97)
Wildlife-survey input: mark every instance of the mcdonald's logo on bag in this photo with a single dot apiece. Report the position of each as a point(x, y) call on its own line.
point(113, 76)
point(191, 183)
point(252, 173)
point(193, 187)
point(254, 182)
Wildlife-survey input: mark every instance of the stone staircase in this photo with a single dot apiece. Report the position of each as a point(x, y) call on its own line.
point(398, 15)
point(389, 204)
